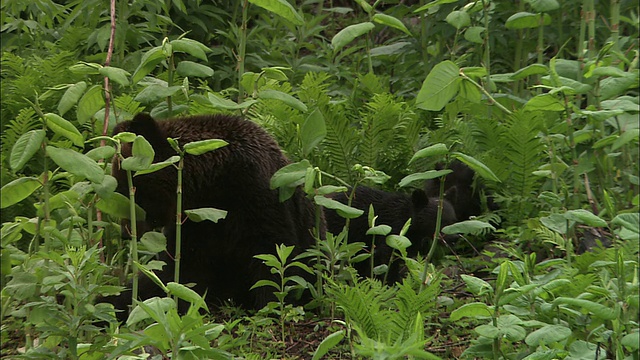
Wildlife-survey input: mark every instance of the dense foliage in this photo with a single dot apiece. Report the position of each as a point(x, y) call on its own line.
point(539, 97)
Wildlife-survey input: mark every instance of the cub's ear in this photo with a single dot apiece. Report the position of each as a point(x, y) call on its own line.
point(420, 199)
point(143, 124)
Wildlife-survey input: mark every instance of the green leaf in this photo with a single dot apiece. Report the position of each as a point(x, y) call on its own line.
point(204, 146)
point(281, 8)
point(476, 285)
point(327, 344)
point(629, 221)
point(313, 131)
point(382, 230)
point(261, 283)
point(472, 310)
point(116, 74)
point(398, 242)
point(202, 214)
point(64, 128)
point(222, 103)
point(544, 102)
point(18, 190)
point(101, 153)
point(612, 86)
point(349, 34)
point(585, 217)
point(154, 241)
point(458, 19)
point(158, 166)
point(343, 210)
point(474, 34)
point(76, 163)
point(526, 20)
point(548, 335)
point(289, 174)
point(440, 86)
point(284, 97)
point(25, 147)
point(117, 205)
point(160, 305)
point(148, 62)
point(191, 69)
point(631, 341)
point(431, 174)
point(531, 70)
point(433, 150)
point(544, 5)
point(626, 137)
point(480, 168)
point(84, 68)
point(142, 155)
point(392, 49)
point(474, 227)
point(191, 47)
point(106, 188)
point(599, 310)
point(390, 21)
point(432, 4)
point(186, 294)
point(155, 92)
point(71, 96)
point(89, 104)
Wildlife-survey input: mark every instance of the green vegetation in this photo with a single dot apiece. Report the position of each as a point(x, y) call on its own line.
point(539, 97)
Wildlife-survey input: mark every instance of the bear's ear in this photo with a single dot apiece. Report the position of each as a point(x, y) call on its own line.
point(143, 124)
point(419, 199)
point(451, 195)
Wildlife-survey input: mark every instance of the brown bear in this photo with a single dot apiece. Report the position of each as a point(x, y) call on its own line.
point(393, 209)
point(218, 257)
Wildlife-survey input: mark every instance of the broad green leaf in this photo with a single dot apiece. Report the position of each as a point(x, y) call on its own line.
point(89, 104)
point(142, 155)
point(398, 242)
point(64, 128)
point(101, 153)
point(470, 92)
point(222, 103)
point(440, 86)
point(544, 102)
point(155, 92)
point(382, 230)
point(117, 205)
point(544, 5)
point(626, 137)
point(327, 344)
point(480, 168)
point(330, 189)
point(186, 294)
point(261, 283)
point(57, 201)
point(281, 8)
point(438, 149)
point(25, 147)
point(125, 136)
point(548, 335)
point(555, 222)
point(76, 163)
point(605, 312)
point(18, 190)
point(476, 285)
point(350, 33)
point(158, 166)
point(202, 214)
point(284, 97)
point(431, 174)
point(526, 20)
point(312, 131)
point(191, 47)
point(191, 69)
point(585, 217)
point(106, 188)
point(154, 241)
point(630, 221)
point(276, 73)
point(343, 210)
point(155, 305)
point(290, 174)
point(364, 4)
point(432, 4)
point(71, 96)
point(204, 146)
point(533, 69)
point(631, 340)
point(474, 34)
point(84, 68)
point(393, 49)
point(116, 74)
point(458, 19)
point(488, 331)
point(390, 21)
point(148, 62)
point(468, 227)
point(472, 310)
point(616, 86)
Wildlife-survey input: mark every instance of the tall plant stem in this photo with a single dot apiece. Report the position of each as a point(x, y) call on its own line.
point(134, 236)
point(171, 72)
point(242, 48)
point(615, 24)
point(436, 235)
point(487, 49)
point(178, 255)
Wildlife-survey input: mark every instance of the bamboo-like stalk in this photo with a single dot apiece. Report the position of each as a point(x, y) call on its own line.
point(242, 48)
point(134, 236)
point(178, 255)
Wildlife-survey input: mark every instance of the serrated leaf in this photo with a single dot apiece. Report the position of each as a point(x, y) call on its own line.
point(64, 128)
point(76, 163)
point(25, 147)
point(284, 97)
point(203, 214)
point(18, 190)
point(350, 33)
point(71, 97)
point(440, 86)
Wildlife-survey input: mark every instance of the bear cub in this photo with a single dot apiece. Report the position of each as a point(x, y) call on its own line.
point(393, 209)
point(218, 257)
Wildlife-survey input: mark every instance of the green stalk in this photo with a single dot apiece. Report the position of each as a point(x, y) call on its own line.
point(134, 237)
point(178, 255)
point(486, 93)
point(436, 233)
point(615, 24)
point(487, 50)
point(242, 48)
point(171, 72)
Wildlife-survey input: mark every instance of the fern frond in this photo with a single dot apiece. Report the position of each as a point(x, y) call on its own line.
point(410, 301)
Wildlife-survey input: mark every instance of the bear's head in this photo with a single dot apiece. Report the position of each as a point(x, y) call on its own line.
point(424, 214)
